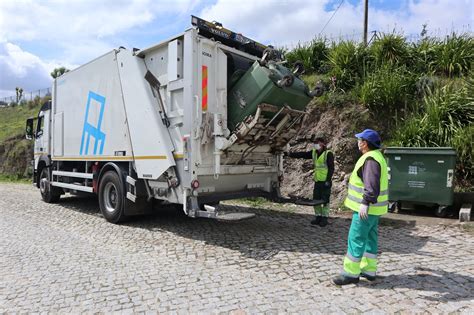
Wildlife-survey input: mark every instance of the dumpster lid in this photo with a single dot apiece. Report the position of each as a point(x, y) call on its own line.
point(422, 151)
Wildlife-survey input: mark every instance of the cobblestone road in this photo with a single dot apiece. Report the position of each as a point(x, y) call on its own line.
point(67, 258)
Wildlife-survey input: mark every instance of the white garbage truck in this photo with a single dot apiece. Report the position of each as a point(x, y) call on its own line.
point(201, 117)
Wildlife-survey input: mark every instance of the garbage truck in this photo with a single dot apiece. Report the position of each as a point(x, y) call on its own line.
point(193, 120)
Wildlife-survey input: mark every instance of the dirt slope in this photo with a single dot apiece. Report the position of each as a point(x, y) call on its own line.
point(15, 155)
point(340, 125)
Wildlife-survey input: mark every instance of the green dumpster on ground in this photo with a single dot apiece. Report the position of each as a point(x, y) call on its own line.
point(421, 176)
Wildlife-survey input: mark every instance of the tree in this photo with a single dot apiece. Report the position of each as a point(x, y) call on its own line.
point(57, 72)
point(19, 93)
point(424, 30)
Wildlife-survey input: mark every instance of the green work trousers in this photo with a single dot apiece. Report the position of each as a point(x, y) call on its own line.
point(362, 246)
point(322, 192)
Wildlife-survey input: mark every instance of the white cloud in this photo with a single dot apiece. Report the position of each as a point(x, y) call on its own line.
point(286, 22)
point(22, 69)
point(61, 20)
point(73, 32)
point(19, 68)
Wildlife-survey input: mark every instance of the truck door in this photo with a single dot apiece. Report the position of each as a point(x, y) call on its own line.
point(42, 133)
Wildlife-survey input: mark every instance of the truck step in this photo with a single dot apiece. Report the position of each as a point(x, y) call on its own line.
point(72, 186)
point(234, 216)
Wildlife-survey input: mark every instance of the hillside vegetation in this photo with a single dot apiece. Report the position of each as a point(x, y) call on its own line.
point(416, 93)
point(15, 151)
point(13, 118)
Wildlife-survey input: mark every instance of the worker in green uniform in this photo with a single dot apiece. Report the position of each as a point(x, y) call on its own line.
point(368, 199)
point(323, 161)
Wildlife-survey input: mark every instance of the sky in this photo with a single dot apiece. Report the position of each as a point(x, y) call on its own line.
point(38, 36)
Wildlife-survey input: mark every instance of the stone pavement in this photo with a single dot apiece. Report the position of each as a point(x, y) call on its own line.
point(66, 258)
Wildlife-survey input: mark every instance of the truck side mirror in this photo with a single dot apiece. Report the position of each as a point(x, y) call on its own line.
point(29, 128)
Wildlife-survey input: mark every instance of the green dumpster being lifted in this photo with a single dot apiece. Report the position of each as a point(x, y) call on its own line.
point(421, 176)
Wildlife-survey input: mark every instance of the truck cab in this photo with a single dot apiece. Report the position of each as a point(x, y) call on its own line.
point(38, 129)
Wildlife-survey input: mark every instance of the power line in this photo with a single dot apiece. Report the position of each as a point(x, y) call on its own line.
point(331, 17)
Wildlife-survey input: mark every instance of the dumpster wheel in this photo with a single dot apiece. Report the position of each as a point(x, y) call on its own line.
point(441, 211)
point(396, 205)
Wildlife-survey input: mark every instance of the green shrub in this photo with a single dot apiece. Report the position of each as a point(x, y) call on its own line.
point(387, 89)
point(312, 55)
point(463, 143)
point(390, 48)
point(312, 79)
point(425, 84)
point(338, 98)
point(454, 56)
point(447, 120)
point(423, 55)
point(347, 60)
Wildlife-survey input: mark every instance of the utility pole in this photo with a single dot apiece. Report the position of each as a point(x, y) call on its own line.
point(366, 20)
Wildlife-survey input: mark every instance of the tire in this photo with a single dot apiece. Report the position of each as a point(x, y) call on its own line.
point(392, 207)
point(441, 211)
point(111, 197)
point(49, 193)
point(399, 206)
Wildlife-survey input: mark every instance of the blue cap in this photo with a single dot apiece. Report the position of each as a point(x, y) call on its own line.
point(371, 136)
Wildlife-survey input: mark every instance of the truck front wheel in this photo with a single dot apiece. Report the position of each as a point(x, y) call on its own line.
point(49, 193)
point(111, 197)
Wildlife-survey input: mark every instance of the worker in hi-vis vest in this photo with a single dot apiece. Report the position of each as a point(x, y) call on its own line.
point(323, 163)
point(367, 197)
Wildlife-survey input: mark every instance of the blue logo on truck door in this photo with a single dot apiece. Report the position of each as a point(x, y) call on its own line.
point(89, 128)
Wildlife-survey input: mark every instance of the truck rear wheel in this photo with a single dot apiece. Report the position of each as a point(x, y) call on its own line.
point(111, 197)
point(49, 193)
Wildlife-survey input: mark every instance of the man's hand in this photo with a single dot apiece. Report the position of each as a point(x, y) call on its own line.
point(327, 183)
point(363, 212)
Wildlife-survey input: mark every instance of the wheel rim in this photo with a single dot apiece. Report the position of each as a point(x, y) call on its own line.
point(110, 197)
point(44, 182)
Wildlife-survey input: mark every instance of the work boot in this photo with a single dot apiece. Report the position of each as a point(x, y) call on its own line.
point(323, 222)
point(343, 280)
point(316, 220)
point(368, 277)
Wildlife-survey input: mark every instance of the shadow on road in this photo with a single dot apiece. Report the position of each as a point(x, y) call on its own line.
point(447, 286)
point(267, 234)
point(87, 204)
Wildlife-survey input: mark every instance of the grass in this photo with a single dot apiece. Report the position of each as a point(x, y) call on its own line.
point(14, 179)
point(446, 119)
point(468, 227)
point(255, 202)
point(313, 56)
point(454, 55)
point(347, 60)
point(16, 151)
point(262, 203)
point(387, 89)
point(13, 119)
point(390, 49)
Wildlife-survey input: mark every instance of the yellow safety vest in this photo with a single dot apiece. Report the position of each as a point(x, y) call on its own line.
point(320, 166)
point(356, 186)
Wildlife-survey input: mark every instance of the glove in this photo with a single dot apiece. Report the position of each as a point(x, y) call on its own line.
point(327, 183)
point(363, 212)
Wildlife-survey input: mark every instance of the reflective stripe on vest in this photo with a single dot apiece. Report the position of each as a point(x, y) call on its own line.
point(361, 190)
point(320, 166)
point(355, 192)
